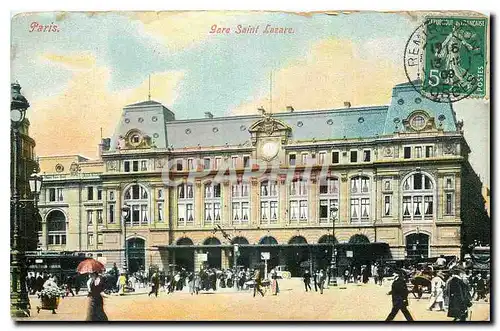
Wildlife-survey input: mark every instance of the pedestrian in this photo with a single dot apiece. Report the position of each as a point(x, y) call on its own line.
point(375, 273)
point(380, 274)
point(316, 280)
point(347, 275)
point(95, 310)
point(258, 283)
point(196, 283)
point(274, 285)
point(69, 286)
point(121, 283)
point(321, 280)
point(399, 292)
point(459, 299)
point(307, 280)
point(480, 287)
point(437, 292)
point(365, 274)
point(155, 284)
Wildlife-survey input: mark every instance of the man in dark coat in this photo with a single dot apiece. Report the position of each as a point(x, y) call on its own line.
point(155, 284)
point(307, 280)
point(459, 298)
point(399, 293)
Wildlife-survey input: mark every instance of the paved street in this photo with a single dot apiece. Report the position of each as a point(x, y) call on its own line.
point(367, 302)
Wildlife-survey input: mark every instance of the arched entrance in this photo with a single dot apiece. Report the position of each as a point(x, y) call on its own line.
point(136, 254)
point(56, 228)
point(359, 239)
point(417, 246)
point(243, 253)
point(324, 252)
point(267, 244)
point(297, 257)
point(184, 257)
point(214, 253)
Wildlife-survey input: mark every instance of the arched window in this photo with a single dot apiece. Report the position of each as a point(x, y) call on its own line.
point(56, 228)
point(328, 200)
point(418, 197)
point(185, 204)
point(360, 199)
point(298, 206)
point(137, 198)
point(240, 202)
point(212, 203)
point(269, 202)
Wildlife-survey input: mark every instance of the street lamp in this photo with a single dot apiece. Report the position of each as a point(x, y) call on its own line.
point(125, 216)
point(333, 267)
point(19, 301)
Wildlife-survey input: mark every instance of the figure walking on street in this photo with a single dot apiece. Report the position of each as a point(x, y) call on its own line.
point(155, 284)
point(307, 280)
point(437, 294)
point(274, 285)
point(459, 298)
point(258, 283)
point(95, 310)
point(399, 293)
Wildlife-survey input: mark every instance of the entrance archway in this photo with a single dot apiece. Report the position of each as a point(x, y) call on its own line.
point(297, 257)
point(136, 254)
point(324, 252)
point(214, 253)
point(359, 239)
point(243, 254)
point(417, 246)
point(184, 257)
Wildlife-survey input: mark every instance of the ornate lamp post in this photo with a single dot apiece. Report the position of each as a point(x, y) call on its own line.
point(125, 216)
point(19, 301)
point(333, 267)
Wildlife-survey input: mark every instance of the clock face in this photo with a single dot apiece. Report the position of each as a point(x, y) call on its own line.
point(269, 150)
point(16, 115)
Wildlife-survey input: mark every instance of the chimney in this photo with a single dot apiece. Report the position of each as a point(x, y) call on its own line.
point(261, 110)
point(208, 115)
point(290, 109)
point(347, 104)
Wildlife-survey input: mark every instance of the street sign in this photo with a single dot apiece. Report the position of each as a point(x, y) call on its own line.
point(203, 257)
point(265, 256)
point(348, 253)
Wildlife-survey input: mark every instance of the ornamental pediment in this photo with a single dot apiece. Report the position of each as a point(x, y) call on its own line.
point(269, 126)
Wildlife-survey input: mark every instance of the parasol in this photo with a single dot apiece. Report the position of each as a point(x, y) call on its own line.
point(90, 266)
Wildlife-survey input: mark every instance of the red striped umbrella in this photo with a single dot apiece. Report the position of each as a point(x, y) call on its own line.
point(89, 266)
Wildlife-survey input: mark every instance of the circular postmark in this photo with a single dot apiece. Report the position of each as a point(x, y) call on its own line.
point(444, 58)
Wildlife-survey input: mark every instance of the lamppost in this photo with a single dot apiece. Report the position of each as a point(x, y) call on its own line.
point(125, 216)
point(333, 266)
point(19, 301)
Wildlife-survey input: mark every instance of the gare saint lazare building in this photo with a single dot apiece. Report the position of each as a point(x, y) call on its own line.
point(395, 178)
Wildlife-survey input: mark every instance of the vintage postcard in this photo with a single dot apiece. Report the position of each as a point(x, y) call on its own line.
point(250, 166)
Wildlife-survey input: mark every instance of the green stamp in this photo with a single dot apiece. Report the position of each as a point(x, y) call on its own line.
point(454, 64)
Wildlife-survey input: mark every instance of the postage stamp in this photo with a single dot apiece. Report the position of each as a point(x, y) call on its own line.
point(447, 56)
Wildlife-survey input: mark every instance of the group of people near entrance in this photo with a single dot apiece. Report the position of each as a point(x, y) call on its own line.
point(318, 277)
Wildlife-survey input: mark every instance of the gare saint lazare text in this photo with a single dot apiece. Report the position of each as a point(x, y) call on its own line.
point(268, 29)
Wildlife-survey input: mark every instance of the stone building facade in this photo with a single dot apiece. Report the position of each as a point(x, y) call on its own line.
point(287, 183)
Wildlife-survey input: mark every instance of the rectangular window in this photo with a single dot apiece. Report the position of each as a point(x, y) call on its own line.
point(407, 152)
point(407, 207)
point(291, 159)
point(126, 166)
point(323, 209)
point(429, 151)
point(57, 240)
point(418, 152)
point(208, 212)
point(217, 163)
point(244, 212)
point(305, 157)
point(294, 210)
point(135, 192)
point(335, 157)
point(160, 194)
point(366, 156)
point(59, 194)
point(365, 208)
point(234, 162)
point(354, 209)
point(387, 205)
point(354, 156)
point(217, 191)
point(244, 190)
point(144, 165)
point(90, 193)
point(99, 217)
point(264, 210)
point(51, 240)
point(99, 194)
point(190, 164)
point(189, 212)
point(135, 166)
point(273, 212)
point(449, 203)
point(63, 239)
point(428, 205)
point(417, 182)
point(90, 239)
point(303, 209)
point(179, 165)
point(144, 216)
point(217, 212)
point(417, 207)
point(181, 213)
point(90, 214)
point(206, 163)
point(160, 212)
point(52, 194)
point(236, 211)
point(99, 239)
point(111, 195)
point(449, 183)
point(321, 158)
point(136, 215)
point(246, 161)
point(111, 214)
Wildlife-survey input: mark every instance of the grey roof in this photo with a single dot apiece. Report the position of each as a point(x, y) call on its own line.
point(156, 121)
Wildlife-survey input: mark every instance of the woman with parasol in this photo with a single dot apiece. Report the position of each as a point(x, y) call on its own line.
point(95, 310)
